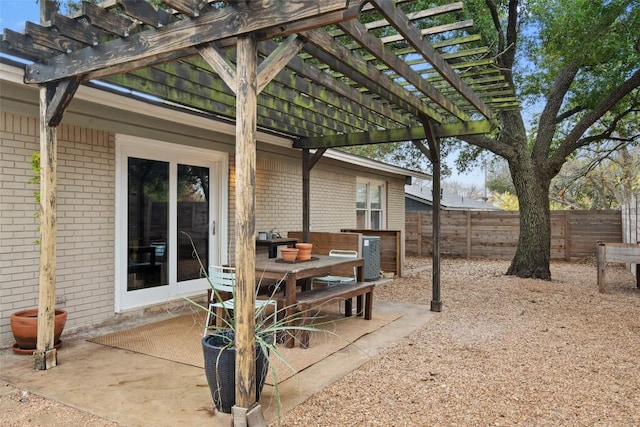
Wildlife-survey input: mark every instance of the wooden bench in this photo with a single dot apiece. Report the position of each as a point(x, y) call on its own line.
point(363, 291)
point(616, 252)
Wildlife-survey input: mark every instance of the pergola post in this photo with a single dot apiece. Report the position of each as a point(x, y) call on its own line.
point(245, 258)
point(45, 356)
point(433, 153)
point(434, 148)
point(306, 197)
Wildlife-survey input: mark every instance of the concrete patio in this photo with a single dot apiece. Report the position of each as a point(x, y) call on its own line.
point(133, 389)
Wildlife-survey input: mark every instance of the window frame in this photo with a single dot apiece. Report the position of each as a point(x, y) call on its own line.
point(368, 210)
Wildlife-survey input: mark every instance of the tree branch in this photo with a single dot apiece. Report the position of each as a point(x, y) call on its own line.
point(569, 113)
point(547, 124)
point(572, 141)
point(496, 23)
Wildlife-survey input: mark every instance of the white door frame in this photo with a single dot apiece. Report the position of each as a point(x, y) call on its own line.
point(128, 146)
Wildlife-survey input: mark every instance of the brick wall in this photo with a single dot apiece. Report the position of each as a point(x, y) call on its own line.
point(279, 198)
point(85, 219)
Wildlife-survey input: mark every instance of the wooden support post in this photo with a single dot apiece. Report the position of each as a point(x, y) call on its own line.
point(45, 356)
point(434, 149)
point(245, 259)
point(306, 196)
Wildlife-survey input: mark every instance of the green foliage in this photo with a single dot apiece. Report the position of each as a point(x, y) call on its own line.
point(35, 179)
point(597, 37)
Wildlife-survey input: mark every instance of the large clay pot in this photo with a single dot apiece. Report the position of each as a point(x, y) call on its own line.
point(24, 325)
point(220, 369)
point(304, 251)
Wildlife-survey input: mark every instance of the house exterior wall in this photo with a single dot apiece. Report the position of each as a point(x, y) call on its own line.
point(85, 276)
point(85, 206)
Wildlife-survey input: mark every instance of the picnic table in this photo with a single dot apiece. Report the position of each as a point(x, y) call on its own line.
point(319, 265)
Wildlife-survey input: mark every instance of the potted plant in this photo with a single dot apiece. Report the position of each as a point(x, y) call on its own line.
point(24, 323)
point(219, 343)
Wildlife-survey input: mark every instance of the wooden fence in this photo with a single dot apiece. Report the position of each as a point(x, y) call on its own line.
point(491, 234)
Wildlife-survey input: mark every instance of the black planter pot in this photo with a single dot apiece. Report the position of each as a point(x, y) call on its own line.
point(220, 369)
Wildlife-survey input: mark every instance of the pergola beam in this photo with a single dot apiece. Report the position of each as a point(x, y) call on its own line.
point(396, 135)
point(227, 22)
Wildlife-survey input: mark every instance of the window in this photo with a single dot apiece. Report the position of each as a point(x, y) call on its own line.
point(370, 196)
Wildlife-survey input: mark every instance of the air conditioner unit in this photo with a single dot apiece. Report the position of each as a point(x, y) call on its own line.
point(371, 254)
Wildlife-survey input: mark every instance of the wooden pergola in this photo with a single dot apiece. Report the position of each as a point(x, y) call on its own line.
point(324, 73)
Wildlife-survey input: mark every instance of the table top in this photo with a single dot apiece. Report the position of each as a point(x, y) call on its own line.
point(324, 262)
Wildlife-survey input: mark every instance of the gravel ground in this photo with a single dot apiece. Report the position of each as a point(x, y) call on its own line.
point(504, 351)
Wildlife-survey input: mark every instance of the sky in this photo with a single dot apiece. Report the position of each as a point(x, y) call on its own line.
point(14, 14)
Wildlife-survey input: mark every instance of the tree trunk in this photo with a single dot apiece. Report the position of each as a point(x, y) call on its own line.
point(534, 243)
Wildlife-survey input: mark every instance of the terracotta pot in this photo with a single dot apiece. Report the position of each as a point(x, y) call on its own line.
point(304, 251)
point(289, 254)
point(24, 325)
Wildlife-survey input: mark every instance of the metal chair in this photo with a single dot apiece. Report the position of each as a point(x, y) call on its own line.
point(223, 280)
point(330, 279)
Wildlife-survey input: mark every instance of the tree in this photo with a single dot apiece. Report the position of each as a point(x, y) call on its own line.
point(602, 176)
point(578, 59)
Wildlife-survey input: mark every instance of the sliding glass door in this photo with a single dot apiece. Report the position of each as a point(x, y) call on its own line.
point(169, 200)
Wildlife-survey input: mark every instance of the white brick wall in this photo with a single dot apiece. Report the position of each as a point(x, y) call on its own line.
point(279, 198)
point(85, 241)
point(85, 217)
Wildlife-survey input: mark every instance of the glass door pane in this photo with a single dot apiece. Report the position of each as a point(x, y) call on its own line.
point(192, 221)
point(148, 219)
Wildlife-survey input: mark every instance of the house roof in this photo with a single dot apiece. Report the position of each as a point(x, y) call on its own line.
point(448, 201)
point(356, 72)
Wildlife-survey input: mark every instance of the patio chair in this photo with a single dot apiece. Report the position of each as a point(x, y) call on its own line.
point(223, 281)
point(329, 279)
point(332, 280)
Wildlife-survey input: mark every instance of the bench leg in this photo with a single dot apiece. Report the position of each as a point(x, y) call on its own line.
point(368, 308)
point(348, 307)
point(359, 305)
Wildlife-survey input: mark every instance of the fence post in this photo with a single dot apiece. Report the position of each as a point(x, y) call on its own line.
point(567, 235)
point(468, 234)
point(419, 222)
point(601, 257)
